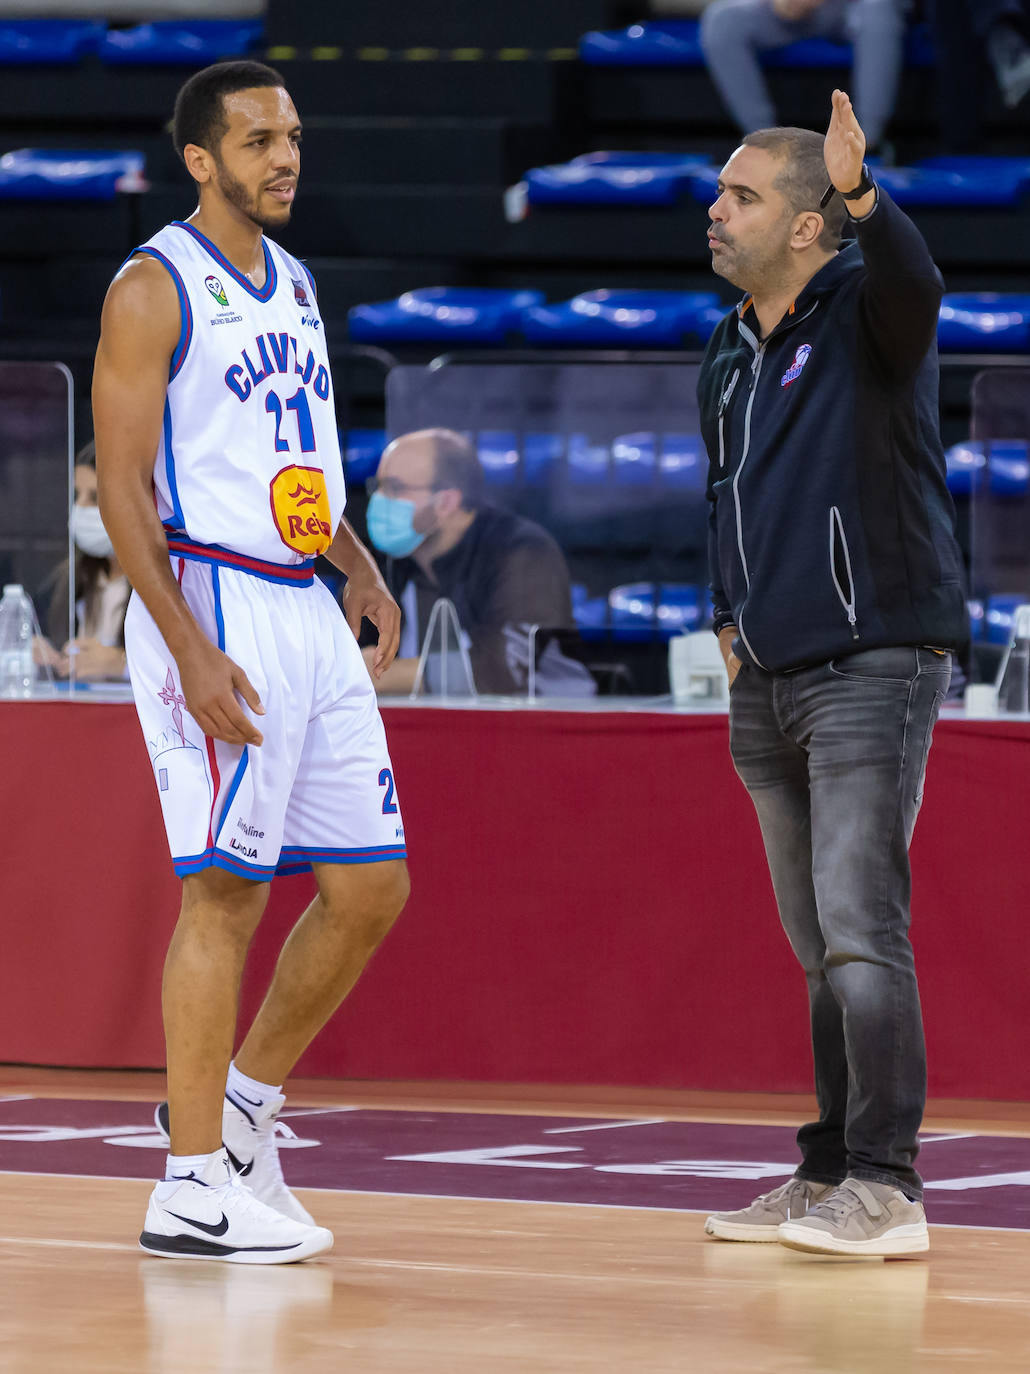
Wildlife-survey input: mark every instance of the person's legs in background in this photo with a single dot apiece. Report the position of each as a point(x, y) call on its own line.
point(735, 32)
point(1002, 25)
point(877, 32)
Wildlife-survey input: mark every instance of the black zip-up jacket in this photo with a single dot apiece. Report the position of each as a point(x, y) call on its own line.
point(831, 528)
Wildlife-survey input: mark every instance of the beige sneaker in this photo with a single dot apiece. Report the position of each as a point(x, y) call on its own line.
point(760, 1222)
point(860, 1218)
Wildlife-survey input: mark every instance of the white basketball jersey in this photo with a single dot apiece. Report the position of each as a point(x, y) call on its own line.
point(249, 459)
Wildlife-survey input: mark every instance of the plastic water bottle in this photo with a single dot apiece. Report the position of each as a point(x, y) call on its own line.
point(17, 625)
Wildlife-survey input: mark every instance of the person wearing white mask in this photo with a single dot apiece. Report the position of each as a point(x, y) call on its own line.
point(101, 592)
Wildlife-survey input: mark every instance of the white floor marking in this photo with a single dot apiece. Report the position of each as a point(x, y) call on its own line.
point(605, 1126)
point(936, 1139)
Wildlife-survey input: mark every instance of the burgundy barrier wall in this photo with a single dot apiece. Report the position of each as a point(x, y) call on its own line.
point(590, 905)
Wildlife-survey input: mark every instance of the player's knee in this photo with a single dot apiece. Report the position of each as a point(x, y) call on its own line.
point(385, 890)
point(392, 892)
point(222, 904)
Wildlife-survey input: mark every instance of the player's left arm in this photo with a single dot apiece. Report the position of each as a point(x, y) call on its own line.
point(366, 595)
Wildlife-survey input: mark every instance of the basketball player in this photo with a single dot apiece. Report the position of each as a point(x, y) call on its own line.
point(220, 481)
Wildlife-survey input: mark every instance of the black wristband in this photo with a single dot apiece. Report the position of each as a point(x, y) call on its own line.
point(863, 188)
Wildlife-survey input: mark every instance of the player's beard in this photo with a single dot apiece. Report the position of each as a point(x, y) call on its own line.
point(237, 195)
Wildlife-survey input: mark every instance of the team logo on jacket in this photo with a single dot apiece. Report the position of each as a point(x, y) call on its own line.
point(300, 294)
point(217, 290)
point(300, 509)
point(797, 366)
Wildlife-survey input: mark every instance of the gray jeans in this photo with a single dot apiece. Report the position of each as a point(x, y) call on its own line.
point(834, 759)
point(734, 32)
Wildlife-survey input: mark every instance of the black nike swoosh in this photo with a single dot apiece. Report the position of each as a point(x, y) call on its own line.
point(242, 1169)
point(259, 1103)
point(217, 1229)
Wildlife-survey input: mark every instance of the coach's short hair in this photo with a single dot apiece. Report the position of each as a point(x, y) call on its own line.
point(456, 466)
point(199, 110)
point(802, 180)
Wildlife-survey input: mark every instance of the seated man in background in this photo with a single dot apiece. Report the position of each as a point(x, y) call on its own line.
point(101, 592)
point(429, 514)
point(735, 32)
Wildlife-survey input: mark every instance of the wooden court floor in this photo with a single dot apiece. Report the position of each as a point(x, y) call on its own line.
point(445, 1285)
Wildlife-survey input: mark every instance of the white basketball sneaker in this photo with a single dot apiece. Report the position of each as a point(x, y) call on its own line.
point(211, 1215)
point(249, 1134)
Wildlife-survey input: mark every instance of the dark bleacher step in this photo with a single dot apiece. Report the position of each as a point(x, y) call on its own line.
point(533, 91)
point(55, 288)
point(491, 152)
point(407, 23)
point(37, 229)
point(686, 97)
point(560, 283)
point(120, 97)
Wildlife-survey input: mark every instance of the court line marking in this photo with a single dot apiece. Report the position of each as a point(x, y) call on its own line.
point(318, 1111)
point(605, 1126)
point(515, 1201)
point(18, 1097)
point(938, 1139)
point(361, 1262)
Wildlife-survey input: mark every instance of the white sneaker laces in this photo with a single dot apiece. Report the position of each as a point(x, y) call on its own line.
point(266, 1145)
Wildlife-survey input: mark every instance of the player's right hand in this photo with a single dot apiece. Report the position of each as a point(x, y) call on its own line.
point(212, 685)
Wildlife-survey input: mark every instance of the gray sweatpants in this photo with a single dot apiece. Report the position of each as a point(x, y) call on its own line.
point(734, 32)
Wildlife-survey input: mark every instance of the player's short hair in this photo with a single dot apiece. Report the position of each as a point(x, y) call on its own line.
point(456, 466)
point(199, 110)
point(802, 179)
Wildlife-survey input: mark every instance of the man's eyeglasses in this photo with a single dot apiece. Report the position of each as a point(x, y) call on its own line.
point(392, 486)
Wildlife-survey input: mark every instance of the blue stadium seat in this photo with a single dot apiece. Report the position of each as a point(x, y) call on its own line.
point(984, 323)
point(976, 619)
point(1000, 465)
point(48, 174)
point(633, 459)
point(615, 179)
point(642, 611)
point(55, 42)
point(632, 612)
point(941, 186)
point(998, 616)
point(175, 42)
point(443, 314)
point(541, 454)
point(975, 165)
point(625, 319)
point(362, 450)
point(680, 608)
point(683, 462)
point(590, 614)
point(677, 43)
point(671, 43)
point(965, 464)
point(499, 456)
point(588, 463)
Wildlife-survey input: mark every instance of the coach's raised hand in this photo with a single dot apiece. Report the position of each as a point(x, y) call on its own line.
point(844, 153)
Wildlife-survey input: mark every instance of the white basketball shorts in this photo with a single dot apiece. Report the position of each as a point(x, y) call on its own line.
point(320, 788)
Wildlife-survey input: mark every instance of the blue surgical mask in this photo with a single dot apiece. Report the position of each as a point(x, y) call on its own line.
point(391, 525)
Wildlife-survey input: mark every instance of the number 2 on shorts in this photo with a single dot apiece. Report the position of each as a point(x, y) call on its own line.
point(386, 780)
